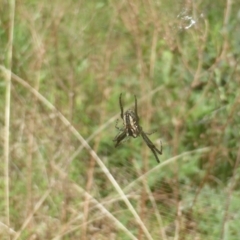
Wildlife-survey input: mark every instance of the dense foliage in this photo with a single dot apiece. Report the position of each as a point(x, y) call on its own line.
point(70, 62)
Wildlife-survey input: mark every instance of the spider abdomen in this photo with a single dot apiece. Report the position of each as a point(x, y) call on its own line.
point(130, 123)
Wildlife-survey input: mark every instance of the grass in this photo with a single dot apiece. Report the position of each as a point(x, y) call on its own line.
point(68, 62)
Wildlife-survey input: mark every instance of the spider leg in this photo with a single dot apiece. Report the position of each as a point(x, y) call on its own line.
point(150, 133)
point(137, 117)
point(121, 106)
point(119, 138)
point(151, 146)
point(136, 111)
point(116, 126)
point(155, 155)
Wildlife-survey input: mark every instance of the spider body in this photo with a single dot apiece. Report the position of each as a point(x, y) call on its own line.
point(133, 129)
point(130, 124)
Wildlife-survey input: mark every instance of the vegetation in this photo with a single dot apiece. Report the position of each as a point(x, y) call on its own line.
point(63, 65)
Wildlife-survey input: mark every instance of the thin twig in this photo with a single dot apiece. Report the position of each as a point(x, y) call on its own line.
point(8, 229)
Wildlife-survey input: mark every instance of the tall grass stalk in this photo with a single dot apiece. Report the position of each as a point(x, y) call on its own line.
point(7, 109)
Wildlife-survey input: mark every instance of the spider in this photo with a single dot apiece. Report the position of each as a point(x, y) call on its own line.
point(133, 129)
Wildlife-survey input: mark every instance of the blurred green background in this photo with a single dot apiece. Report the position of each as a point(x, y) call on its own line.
point(181, 60)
